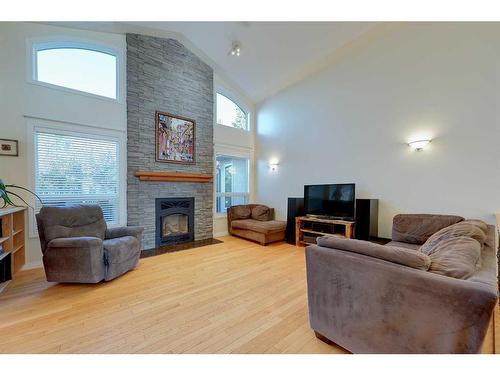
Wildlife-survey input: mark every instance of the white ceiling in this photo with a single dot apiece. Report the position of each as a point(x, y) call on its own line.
point(273, 54)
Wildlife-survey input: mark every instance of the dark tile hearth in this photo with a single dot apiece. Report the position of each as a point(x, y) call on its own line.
point(183, 246)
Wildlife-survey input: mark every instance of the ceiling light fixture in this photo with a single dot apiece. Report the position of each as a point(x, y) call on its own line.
point(235, 49)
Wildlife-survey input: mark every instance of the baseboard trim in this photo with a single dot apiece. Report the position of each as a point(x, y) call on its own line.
point(31, 265)
point(221, 234)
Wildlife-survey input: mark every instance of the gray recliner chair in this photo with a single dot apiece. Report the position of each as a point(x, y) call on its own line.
point(78, 247)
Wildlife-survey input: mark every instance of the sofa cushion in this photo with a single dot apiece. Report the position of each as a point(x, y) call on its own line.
point(475, 229)
point(406, 257)
point(417, 228)
point(456, 257)
point(72, 221)
point(75, 243)
point(241, 212)
point(260, 213)
point(265, 227)
point(404, 245)
point(120, 249)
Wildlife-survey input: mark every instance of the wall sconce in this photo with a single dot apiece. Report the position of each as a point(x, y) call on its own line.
point(420, 144)
point(273, 167)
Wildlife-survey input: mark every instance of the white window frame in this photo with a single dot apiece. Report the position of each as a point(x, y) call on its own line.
point(236, 152)
point(64, 128)
point(35, 45)
point(229, 95)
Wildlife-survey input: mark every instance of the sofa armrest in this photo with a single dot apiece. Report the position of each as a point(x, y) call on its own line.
point(75, 242)
point(368, 305)
point(229, 217)
point(74, 259)
point(271, 214)
point(134, 231)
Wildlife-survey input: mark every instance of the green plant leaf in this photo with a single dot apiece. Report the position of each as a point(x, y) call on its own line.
point(7, 199)
point(29, 191)
point(26, 203)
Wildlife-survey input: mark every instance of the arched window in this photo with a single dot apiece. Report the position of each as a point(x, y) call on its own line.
point(77, 66)
point(230, 114)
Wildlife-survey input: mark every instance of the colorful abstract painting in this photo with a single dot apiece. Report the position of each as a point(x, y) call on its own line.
point(175, 138)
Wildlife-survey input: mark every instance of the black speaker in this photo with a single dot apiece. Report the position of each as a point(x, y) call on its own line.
point(366, 219)
point(5, 272)
point(295, 208)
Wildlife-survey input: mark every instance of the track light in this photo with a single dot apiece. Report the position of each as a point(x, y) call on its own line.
point(235, 49)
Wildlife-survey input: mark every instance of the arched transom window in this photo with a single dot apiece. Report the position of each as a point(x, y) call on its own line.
point(231, 114)
point(77, 66)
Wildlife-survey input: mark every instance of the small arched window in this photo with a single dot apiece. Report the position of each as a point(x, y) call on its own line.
point(230, 114)
point(77, 66)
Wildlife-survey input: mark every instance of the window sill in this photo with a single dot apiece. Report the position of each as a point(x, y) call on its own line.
point(232, 127)
point(74, 91)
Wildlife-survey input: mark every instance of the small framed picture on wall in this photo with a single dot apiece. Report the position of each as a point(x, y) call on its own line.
point(9, 147)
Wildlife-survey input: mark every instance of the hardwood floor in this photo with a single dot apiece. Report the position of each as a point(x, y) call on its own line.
point(233, 297)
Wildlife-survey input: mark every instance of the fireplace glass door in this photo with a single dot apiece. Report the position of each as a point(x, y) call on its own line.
point(175, 224)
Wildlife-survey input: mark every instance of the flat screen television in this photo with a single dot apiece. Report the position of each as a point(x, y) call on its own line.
point(334, 201)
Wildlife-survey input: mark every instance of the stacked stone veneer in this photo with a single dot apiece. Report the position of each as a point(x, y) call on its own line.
point(162, 75)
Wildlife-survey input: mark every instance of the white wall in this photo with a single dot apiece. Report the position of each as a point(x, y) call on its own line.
point(20, 99)
point(350, 123)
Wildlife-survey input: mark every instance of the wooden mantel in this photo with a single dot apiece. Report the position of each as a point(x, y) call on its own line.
point(173, 176)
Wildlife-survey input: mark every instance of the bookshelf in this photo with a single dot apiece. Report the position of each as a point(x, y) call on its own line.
point(13, 242)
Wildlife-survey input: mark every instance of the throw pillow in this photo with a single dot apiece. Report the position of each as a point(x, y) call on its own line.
point(241, 212)
point(456, 257)
point(479, 223)
point(470, 228)
point(417, 228)
point(260, 213)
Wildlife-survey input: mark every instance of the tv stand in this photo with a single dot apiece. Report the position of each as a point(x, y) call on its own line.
point(308, 228)
point(326, 217)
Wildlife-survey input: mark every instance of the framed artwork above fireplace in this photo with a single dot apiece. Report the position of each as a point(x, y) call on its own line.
point(175, 138)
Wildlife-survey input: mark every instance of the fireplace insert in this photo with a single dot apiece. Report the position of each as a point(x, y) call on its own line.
point(174, 221)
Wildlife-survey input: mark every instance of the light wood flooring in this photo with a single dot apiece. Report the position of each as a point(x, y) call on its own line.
point(233, 297)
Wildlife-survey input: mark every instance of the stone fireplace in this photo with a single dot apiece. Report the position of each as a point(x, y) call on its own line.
point(163, 75)
point(174, 221)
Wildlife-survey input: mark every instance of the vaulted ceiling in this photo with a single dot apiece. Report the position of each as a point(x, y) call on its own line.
point(273, 54)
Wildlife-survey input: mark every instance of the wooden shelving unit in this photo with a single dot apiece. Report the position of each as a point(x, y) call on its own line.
point(317, 227)
point(13, 238)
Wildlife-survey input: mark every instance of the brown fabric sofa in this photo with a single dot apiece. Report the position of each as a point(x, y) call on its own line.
point(398, 298)
point(255, 222)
